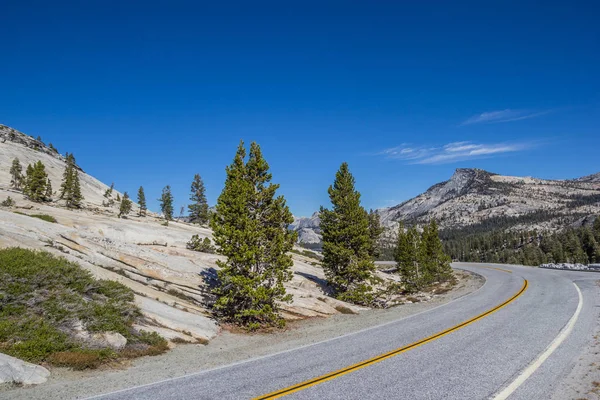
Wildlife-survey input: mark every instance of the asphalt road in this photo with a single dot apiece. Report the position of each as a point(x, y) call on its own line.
point(474, 361)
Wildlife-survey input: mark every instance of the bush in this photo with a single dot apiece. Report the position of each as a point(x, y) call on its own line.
point(9, 202)
point(204, 246)
point(45, 217)
point(42, 296)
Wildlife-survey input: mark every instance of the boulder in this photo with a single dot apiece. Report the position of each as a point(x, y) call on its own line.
point(13, 370)
point(114, 340)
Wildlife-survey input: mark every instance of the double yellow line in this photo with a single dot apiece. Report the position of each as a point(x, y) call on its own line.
point(384, 356)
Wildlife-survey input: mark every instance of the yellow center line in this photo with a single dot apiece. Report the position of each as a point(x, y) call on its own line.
point(384, 356)
point(497, 269)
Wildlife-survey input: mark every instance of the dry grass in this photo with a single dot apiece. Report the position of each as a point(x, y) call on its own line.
point(78, 360)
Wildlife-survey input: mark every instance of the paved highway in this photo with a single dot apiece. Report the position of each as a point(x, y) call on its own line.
point(516, 337)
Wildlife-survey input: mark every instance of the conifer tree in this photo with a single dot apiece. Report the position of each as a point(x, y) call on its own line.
point(125, 207)
point(166, 203)
point(70, 188)
point(36, 182)
point(141, 196)
point(347, 242)
point(250, 228)
point(16, 174)
point(436, 263)
point(408, 258)
point(199, 207)
point(375, 231)
point(596, 228)
point(109, 191)
point(48, 194)
point(27, 180)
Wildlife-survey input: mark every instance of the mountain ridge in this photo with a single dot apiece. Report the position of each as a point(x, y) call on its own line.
point(472, 196)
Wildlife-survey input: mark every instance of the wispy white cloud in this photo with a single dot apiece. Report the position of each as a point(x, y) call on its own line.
point(451, 152)
point(507, 115)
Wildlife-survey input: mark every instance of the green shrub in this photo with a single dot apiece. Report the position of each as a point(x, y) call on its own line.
point(45, 217)
point(201, 245)
point(41, 296)
point(9, 202)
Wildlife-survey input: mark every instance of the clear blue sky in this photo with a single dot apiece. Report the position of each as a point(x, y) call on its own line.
point(405, 92)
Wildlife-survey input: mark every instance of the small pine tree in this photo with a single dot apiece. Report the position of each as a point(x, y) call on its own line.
point(8, 202)
point(436, 262)
point(48, 194)
point(199, 207)
point(16, 174)
point(27, 180)
point(142, 202)
point(118, 197)
point(70, 188)
point(250, 228)
point(108, 193)
point(166, 203)
point(36, 182)
point(347, 242)
point(125, 207)
point(408, 258)
point(375, 231)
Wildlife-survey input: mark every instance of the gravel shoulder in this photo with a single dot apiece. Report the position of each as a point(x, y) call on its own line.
point(226, 349)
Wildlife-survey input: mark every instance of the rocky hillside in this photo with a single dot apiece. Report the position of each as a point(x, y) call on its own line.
point(172, 284)
point(15, 144)
point(475, 197)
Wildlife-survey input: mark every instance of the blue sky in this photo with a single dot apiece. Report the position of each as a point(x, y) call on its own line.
point(151, 93)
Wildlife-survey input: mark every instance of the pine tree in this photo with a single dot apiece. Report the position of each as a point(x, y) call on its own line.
point(436, 262)
point(347, 242)
point(166, 203)
point(125, 207)
point(375, 231)
point(250, 228)
point(16, 174)
point(108, 193)
point(199, 207)
point(36, 182)
point(70, 188)
point(48, 194)
point(27, 180)
point(408, 257)
point(142, 202)
point(596, 228)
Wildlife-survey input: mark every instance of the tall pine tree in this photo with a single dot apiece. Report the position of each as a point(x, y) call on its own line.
point(347, 242)
point(70, 188)
point(16, 174)
point(141, 197)
point(166, 203)
point(250, 228)
point(199, 207)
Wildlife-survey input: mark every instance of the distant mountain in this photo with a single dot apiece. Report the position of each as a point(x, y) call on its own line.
point(478, 197)
point(308, 229)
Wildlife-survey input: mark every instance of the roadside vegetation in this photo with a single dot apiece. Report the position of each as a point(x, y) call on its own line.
point(46, 301)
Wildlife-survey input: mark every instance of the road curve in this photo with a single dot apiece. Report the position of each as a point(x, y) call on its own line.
point(475, 347)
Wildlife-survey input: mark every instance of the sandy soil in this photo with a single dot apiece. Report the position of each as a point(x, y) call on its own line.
point(227, 348)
